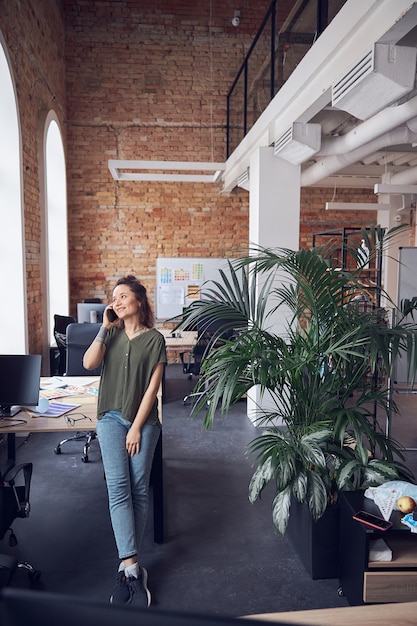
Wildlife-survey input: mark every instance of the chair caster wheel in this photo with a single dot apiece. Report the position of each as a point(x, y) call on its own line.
point(340, 592)
point(84, 459)
point(57, 450)
point(34, 576)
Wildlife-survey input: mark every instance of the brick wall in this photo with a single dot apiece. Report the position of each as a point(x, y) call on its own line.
point(34, 35)
point(138, 80)
point(149, 81)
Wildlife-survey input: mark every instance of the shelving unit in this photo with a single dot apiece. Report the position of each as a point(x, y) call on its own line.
point(347, 239)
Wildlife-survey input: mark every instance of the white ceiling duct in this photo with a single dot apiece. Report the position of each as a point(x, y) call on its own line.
point(412, 124)
point(381, 76)
point(407, 177)
point(299, 143)
point(367, 131)
point(332, 164)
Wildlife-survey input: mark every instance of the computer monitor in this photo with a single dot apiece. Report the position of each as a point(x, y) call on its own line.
point(90, 312)
point(19, 382)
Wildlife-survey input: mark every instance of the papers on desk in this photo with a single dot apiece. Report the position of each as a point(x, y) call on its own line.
point(60, 386)
point(56, 409)
point(60, 382)
point(49, 394)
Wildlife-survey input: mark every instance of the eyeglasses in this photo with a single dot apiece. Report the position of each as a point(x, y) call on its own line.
point(71, 420)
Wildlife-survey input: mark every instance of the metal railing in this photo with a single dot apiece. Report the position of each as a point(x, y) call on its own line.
point(277, 49)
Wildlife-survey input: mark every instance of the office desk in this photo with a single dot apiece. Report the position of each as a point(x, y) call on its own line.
point(39, 424)
point(87, 406)
point(184, 338)
point(375, 615)
point(182, 343)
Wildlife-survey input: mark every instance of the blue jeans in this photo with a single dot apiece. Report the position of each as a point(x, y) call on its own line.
point(127, 479)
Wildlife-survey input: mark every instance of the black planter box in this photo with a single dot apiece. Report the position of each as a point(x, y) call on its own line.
point(316, 543)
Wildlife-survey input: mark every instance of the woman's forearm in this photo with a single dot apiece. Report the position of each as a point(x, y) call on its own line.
point(149, 396)
point(95, 353)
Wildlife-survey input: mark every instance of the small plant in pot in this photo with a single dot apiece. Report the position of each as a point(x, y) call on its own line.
point(326, 375)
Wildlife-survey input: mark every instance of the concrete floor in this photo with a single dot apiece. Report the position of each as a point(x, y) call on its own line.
point(222, 555)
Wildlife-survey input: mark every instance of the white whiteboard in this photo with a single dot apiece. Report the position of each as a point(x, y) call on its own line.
point(179, 281)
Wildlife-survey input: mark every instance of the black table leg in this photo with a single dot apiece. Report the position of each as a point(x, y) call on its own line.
point(158, 493)
point(11, 452)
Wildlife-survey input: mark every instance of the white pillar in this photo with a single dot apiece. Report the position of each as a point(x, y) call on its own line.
point(274, 202)
point(274, 222)
point(388, 219)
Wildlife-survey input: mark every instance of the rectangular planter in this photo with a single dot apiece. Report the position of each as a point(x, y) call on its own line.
point(316, 543)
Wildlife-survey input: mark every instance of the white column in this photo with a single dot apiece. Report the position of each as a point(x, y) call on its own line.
point(274, 202)
point(388, 219)
point(274, 222)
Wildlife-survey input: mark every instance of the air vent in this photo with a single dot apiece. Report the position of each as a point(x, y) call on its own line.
point(283, 141)
point(243, 179)
point(382, 76)
point(358, 72)
point(298, 143)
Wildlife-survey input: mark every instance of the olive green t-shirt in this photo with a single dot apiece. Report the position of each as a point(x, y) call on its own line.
point(128, 366)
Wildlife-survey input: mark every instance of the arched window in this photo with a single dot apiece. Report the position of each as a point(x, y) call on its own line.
point(56, 222)
point(13, 318)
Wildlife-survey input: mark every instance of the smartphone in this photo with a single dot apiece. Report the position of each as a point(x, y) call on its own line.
point(111, 315)
point(372, 520)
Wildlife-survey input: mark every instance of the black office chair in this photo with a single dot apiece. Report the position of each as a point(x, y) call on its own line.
point(79, 338)
point(191, 363)
point(61, 323)
point(208, 338)
point(14, 504)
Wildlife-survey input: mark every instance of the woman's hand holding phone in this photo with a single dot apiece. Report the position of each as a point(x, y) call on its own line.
point(111, 315)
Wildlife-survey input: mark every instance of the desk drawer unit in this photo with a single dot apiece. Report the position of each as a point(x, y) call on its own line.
point(396, 580)
point(390, 586)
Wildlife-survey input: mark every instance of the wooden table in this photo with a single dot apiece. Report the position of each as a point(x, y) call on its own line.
point(27, 421)
point(402, 613)
point(182, 342)
point(87, 406)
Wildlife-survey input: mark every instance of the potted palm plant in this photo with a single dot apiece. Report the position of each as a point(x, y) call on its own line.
point(327, 375)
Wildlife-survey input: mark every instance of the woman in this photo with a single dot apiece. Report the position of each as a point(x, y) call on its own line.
point(133, 354)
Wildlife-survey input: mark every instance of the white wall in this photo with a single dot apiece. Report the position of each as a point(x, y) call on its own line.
point(13, 325)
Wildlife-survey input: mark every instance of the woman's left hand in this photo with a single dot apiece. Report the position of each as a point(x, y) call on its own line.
point(133, 441)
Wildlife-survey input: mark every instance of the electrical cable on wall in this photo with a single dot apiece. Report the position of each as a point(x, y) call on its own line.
point(211, 83)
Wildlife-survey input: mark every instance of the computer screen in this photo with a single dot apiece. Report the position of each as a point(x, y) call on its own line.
point(19, 382)
point(90, 312)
